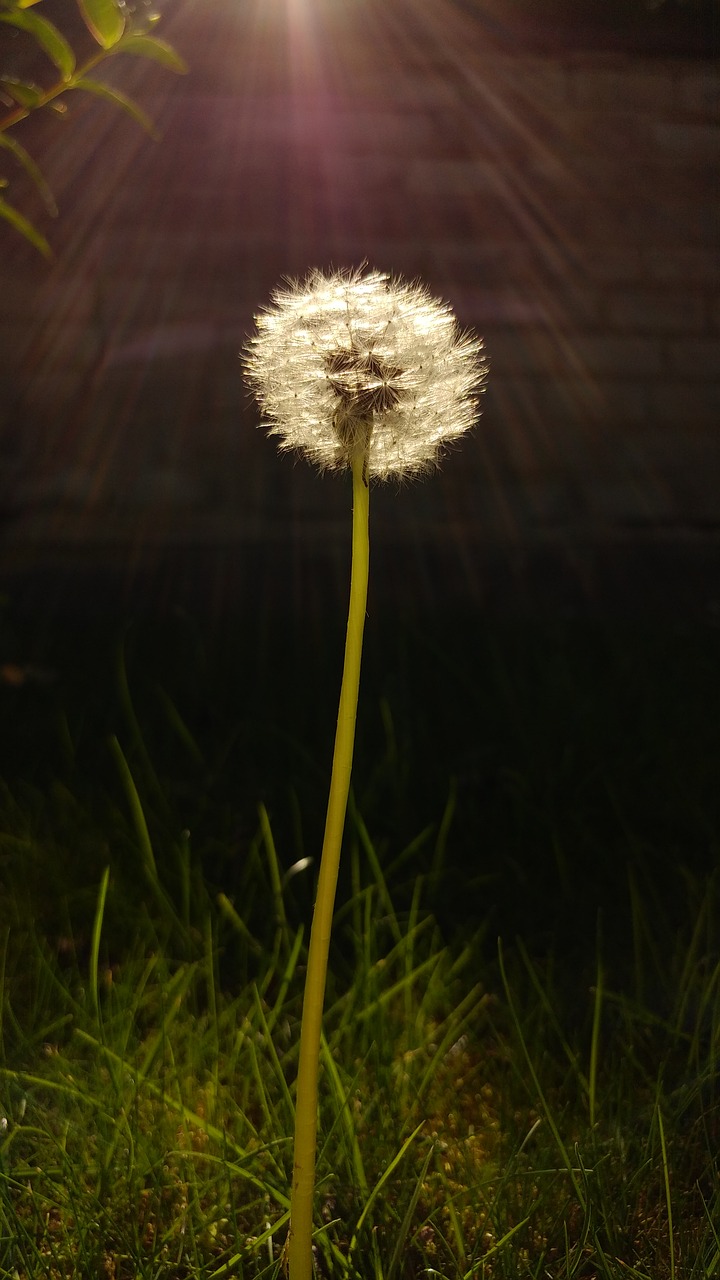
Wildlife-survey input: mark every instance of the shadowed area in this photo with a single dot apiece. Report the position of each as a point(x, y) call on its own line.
point(558, 191)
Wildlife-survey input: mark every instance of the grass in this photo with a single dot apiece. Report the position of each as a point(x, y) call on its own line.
point(543, 1106)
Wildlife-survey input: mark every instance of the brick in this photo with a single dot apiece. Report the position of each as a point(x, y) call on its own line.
point(543, 353)
point(691, 405)
point(189, 345)
point(695, 358)
point(631, 499)
point(453, 176)
point(510, 405)
point(689, 264)
point(69, 485)
point(551, 404)
point(541, 83)
point(617, 262)
point(657, 311)
point(16, 337)
point(20, 287)
point(550, 502)
point(638, 89)
point(612, 218)
point(689, 219)
point(520, 350)
point(592, 401)
point(619, 356)
point(699, 92)
point(48, 399)
point(671, 447)
point(494, 260)
point(386, 133)
point(687, 141)
point(615, 130)
point(662, 215)
point(700, 501)
point(498, 306)
point(388, 90)
point(686, 462)
point(625, 402)
point(366, 174)
point(516, 301)
point(61, 345)
point(51, 292)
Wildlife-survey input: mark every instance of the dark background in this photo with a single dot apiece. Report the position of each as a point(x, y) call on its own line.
point(542, 633)
point(554, 177)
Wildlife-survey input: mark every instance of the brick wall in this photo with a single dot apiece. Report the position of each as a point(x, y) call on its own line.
point(567, 205)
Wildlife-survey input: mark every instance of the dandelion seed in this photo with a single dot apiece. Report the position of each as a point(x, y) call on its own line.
point(347, 361)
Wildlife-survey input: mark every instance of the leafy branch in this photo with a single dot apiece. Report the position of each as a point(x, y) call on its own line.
point(113, 32)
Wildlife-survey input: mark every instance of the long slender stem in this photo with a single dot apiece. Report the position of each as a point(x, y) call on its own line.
point(303, 1183)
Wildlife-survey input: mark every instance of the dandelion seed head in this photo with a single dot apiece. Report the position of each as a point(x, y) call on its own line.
point(361, 361)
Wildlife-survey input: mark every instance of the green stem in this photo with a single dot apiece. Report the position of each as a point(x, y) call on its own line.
point(18, 113)
point(306, 1104)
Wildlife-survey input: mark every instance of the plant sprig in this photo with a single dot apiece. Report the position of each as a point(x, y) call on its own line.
point(113, 33)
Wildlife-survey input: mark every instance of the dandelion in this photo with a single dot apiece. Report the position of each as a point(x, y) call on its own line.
point(349, 360)
point(372, 374)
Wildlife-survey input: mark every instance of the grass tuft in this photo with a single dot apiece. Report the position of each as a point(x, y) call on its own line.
point(551, 1108)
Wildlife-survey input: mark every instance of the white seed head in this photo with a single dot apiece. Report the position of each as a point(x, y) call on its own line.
point(351, 361)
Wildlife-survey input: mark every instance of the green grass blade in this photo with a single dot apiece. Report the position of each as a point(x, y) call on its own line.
point(138, 815)
point(275, 875)
point(95, 942)
point(499, 1245)
point(379, 1185)
point(407, 1220)
point(666, 1183)
point(269, 1044)
point(179, 727)
point(562, 1150)
point(342, 1109)
point(595, 1045)
point(552, 1017)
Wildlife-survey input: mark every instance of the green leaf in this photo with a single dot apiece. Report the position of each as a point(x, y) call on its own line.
point(120, 100)
point(25, 228)
point(150, 47)
point(47, 36)
point(32, 170)
point(27, 95)
point(104, 20)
